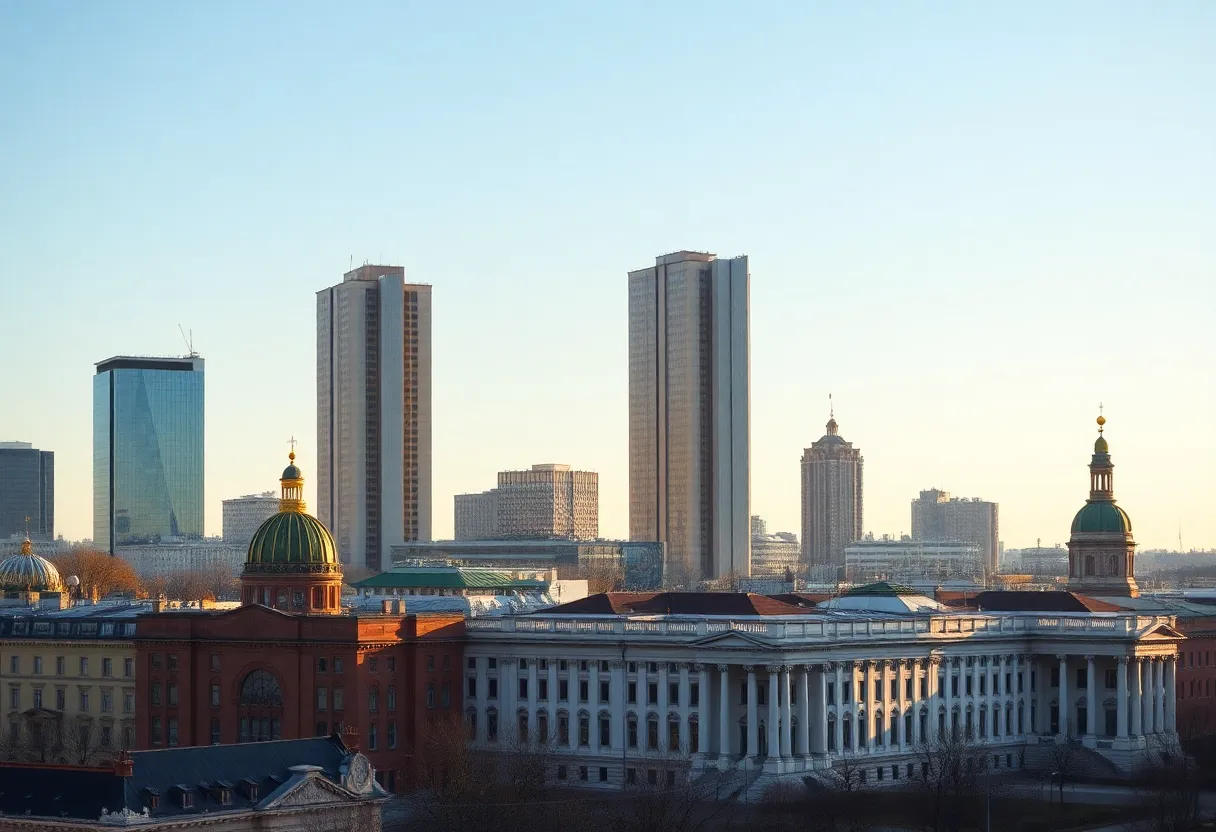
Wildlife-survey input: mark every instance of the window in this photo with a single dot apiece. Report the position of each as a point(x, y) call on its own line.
point(446, 695)
point(652, 777)
point(652, 693)
point(391, 664)
point(107, 702)
point(1111, 681)
point(492, 663)
point(447, 661)
point(156, 730)
point(1082, 677)
point(673, 735)
point(61, 664)
point(831, 693)
point(652, 732)
point(215, 662)
point(563, 729)
point(492, 725)
point(373, 699)
point(14, 696)
point(371, 737)
point(522, 726)
point(172, 694)
point(632, 725)
point(563, 690)
point(694, 694)
point(968, 680)
point(603, 774)
point(631, 776)
point(605, 731)
point(37, 665)
point(156, 662)
point(37, 697)
point(107, 666)
point(673, 693)
point(605, 692)
point(337, 665)
point(492, 693)
point(338, 699)
point(471, 663)
point(582, 690)
point(322, 664)
point(172, 662)
point(128, 668)
point(582, 773)
point(632, 693)
point(14, 665)
point(392, 698)
point(215, 730)
point(523, 688)
point(584, 730)
point(430, 695)
point(84, 701)
point(561, 772)
point(84, 666)
point(861, 691)
point(392, 735)
point(373, 664)
point(60, 699)
point(430, 664)
point(128, 701)
point(156, 698)
point(172, 731)
point(471, 687)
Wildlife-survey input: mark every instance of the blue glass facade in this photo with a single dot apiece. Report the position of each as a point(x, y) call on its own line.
point(147, 451)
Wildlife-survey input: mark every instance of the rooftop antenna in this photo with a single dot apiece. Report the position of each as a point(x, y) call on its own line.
point(189, 341)
point(831, 408)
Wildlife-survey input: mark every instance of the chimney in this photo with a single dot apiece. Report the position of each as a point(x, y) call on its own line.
point(158, 603)
point(124, 766)
point(386, 606)
point(399, 607)
point(350, 738)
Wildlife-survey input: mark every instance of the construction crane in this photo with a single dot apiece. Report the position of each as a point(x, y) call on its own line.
point(189, 342)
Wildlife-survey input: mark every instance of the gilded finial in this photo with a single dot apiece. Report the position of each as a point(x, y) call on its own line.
point(1101, 418)
point(292, 454)
point(1100, 446)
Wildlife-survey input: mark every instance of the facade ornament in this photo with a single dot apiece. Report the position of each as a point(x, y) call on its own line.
point(723, 668)
point(616, 664)
point(124, 817)
point(830, 667)
point(698, 667)
point(750, 668)
point(773, 668)
point(1089, 658)
point(1122, 660)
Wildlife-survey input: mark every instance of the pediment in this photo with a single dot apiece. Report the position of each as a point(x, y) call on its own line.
point(307, 790)
point(732, 638)
point(1162, 632)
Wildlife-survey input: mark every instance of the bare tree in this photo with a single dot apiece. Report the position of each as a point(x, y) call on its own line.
point(1168, 785)
point(1065, 758)
point(950, 781)
point(603, 578)
point(42, 739)
point(82, 742)
point(665, 795)
point(98, 571)
point(832, 803)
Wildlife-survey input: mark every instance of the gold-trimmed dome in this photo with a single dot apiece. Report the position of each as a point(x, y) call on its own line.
point(292, 536)
point(29, 572)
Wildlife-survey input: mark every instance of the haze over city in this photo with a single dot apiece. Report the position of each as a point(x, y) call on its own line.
point(968, 225)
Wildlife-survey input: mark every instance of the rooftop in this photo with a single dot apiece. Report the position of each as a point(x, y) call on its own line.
point(678, 603)
point(448, 577)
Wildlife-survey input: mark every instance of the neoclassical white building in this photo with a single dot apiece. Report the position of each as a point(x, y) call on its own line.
point(618, 681)
point(621, 682)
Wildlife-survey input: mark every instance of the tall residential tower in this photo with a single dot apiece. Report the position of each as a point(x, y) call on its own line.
point(689, 410)
point(147, 450)
point(374, 413)
point(831, 499)
point(938, 517)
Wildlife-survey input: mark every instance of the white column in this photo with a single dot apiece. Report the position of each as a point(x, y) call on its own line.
point(1171, 664)
point(617, 689)
point(1146, 696)
point(483, 698)
point(1158, 696)
point(663, 704)
point(725, 734)
point(508, 690)
point(774, 712)
point(533, 698)
point(572, 705)
point(1121, 696)
point(977, 701)
point(838, 730)
point(871, 667)
point(1065, 710)
point(884, 694)
point(915, 671)
point(704, 724)
point(804, 708)
point(684, 710)
point(593, 706)
point(551, 699)
point(787, 712)
point(1015, 695)
point(949, 686)
point(1091, 697)
point(1137, 709)
point(753, 714)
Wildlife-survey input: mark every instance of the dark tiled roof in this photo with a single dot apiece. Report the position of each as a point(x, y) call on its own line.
point(883, 588)
point(1028, 601)
point(802, 599)
point(74, 792)
point(677, 603)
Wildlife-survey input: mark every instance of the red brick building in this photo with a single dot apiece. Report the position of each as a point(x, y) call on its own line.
point(290, 663)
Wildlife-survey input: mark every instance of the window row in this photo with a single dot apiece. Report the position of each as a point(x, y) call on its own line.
point(61, 664)
point(84, 699)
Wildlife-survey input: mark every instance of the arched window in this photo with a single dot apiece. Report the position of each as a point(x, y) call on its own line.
point(631, 730)
point(470, 716)
point(261, 708)
point(652, 732)
point(1114, 565)
point(1089, 564)
point(492, 724)
point(673, 732)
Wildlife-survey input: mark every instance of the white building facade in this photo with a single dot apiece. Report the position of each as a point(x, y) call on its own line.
point(790, 694)
point(374, 413)
point(243, 516)
point(910, 560)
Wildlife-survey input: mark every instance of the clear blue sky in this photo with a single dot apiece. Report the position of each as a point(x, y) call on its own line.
point(969, 223)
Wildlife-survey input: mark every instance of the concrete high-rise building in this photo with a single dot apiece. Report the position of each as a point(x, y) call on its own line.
point(243, 515)
point(772, 554)
point(938, 517)
point(374, 413)
point(27, 491)
point(477, 515)
point(689, 410)
point(547, 501)
point(147, 450)
point(831, 499)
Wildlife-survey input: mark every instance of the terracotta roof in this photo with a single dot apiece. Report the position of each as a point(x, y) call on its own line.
point(1028, 601)
point(802, 599)
point(677, 603)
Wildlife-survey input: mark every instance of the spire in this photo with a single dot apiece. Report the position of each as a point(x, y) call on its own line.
point(1101, 469)
point(831, 425)
point(27, 548)
point(291, 497)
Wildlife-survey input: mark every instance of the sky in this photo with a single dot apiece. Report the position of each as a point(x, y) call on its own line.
point(969, 223)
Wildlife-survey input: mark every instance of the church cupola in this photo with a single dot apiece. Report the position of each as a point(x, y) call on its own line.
point(1101, 550)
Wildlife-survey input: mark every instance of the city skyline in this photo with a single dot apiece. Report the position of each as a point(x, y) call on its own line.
point(1040, 225)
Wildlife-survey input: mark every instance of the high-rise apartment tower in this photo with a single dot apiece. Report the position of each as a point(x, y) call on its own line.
point(831, 499)
point(936, 516)
point(689, 410)
point(374, 413)
point(546, 501)
point(147, 450)
point(27, 490)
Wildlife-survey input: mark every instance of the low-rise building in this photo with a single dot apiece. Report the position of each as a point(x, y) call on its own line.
point(640, 562)
point(469, 590)
point(200, 556)
point(906, 560)
point(316, 784)
point(243, 515)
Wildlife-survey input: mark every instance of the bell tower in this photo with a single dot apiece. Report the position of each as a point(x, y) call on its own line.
point(1101, 549)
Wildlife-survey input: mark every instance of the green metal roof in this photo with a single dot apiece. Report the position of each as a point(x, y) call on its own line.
point(448, 578)
point(292, 537)
point(1102, 517)
point(883, 588)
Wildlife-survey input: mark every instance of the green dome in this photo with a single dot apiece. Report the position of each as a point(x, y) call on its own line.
point(292, 537)
point(1102, 517)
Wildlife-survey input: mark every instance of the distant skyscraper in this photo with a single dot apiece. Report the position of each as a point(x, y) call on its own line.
point(689, 406)
point(477, 515)
point(546, 501)
point(147, 450)
point(27, 489)
point(831, 499)
point(243, 515)
point(772, 554)
point(374, 413)
point(938, 517)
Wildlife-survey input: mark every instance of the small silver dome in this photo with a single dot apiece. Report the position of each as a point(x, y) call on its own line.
point(27, 571)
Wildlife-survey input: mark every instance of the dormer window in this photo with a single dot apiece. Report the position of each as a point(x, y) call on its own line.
point(223, 792)
point(152, 798)
point(250, 787)
point(185, 796)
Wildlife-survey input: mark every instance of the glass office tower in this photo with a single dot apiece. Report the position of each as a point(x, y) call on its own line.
point(147, 450)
